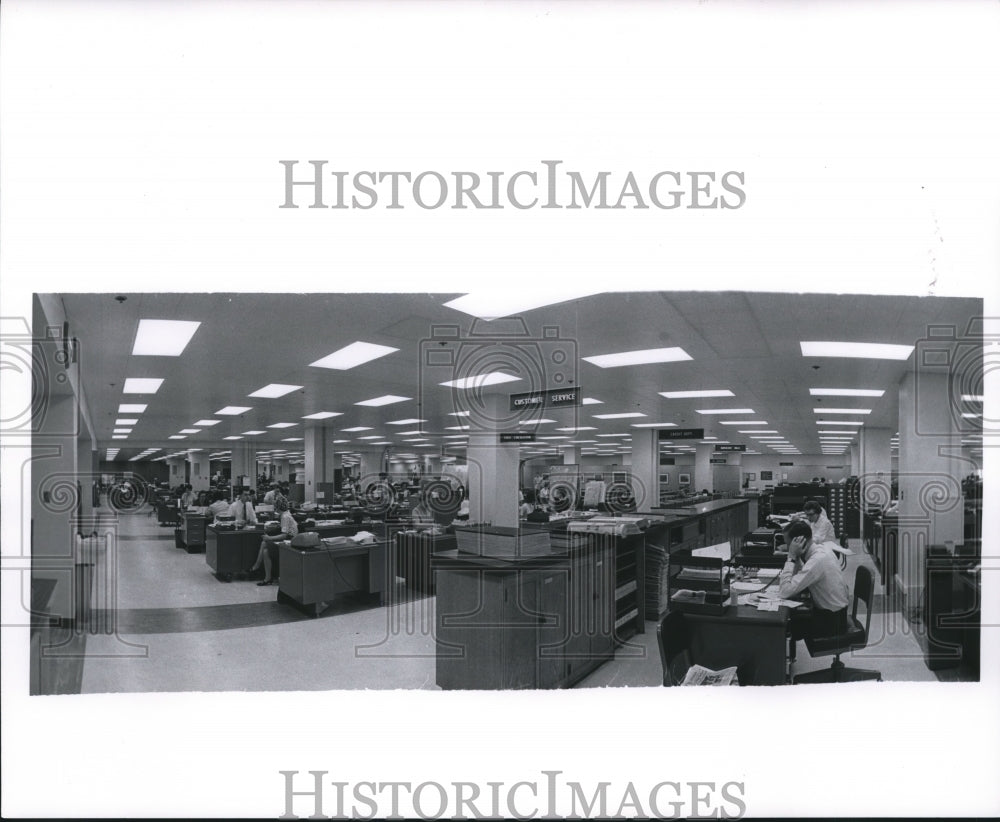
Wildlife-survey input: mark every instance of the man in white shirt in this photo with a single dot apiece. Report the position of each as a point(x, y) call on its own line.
point(243, 511)
point(813, 566)
point(219, 506)
point(822, 528)
point(269, 496)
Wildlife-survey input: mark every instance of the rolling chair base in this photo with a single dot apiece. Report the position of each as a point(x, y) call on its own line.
point(837, 672)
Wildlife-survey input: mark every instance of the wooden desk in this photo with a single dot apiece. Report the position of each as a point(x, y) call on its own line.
point(311, 578)
point(754, 641)
point(231, 551)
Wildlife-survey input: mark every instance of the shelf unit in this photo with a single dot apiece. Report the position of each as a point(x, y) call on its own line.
point(705, 576)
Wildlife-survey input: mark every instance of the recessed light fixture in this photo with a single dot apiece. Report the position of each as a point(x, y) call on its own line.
point(357, 428)
point(871, 351)
point(387, 399)
point(207, 422)
point(834, 431)
point(492, 305)
point(743, 422)
point(124, 437)
point(846, 392)
point(725, 411)
point(163, 338)
point(142, 385)
point(481, 380)
point(581, 442)
point(458, 413)
point(292, 439)
point(654, 424)
point(275, 390)
point(126, 421)
point(756, 431)
point(612, 435)
point(646, 356)
point(839, 422)
point(253, 433)
point(340, 442)
point(190, 431)
point(131, 408)
point(842, 410)
point(283, 425)
point(972, 397)
point(121, 431)
point(232, 438)
point(177, 437)
point(970, 416)
point(455, 436)
point(626, 416)
point(323, 415)
point(353, 355)
point(371, 437)
point(457, 428)
point(533, 422)
point(410, 421)
point(690, 395)
point(591, 401)
point(578, 428)
point(233, 410)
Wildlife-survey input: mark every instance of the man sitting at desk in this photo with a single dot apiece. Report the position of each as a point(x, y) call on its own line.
point(813, 566)
point(822, 528)
point(243, 511)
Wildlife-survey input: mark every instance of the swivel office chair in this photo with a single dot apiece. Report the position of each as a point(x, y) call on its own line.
point(856, 637)
point(675, 655)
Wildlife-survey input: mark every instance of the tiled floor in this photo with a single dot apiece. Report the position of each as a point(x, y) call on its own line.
point(176, 628)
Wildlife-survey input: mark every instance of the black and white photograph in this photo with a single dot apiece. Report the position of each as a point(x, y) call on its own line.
point(410, 407)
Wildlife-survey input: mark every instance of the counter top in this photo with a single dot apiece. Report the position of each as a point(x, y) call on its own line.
point(701, 508)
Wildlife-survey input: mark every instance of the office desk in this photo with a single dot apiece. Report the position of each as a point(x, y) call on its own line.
point(311, 578)
point(743, 636)
point(193, 532)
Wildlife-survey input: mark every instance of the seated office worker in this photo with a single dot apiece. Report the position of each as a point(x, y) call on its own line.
point(813, 566)
point(289, 529)
point(219, 507)
point(822, 528)
point(242, 510)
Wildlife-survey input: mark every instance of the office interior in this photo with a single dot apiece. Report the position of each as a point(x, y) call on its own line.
point(650, 425)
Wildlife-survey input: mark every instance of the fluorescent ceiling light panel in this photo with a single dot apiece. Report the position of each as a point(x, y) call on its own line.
point(842, 410)
point(480, 380)
point(190, 431)
point(690, 395)
point(458, 413)
point(405, 422)
point(292, 439)
point(125, 437)
point(323, 415)
point(275, 390)
point(371, 437)
point(836, 431)
point(340, 442)
point(972, 397)
point(644, 357)
point(353, 355)
point(131, 408)
point(533, 422)
point(839, 422)
point(581, 442)
point(971, 416)
point(357, 428)
point(743, 422)
point(725, 411)
point(282, 425)
point(846, 392)
point(626, 416)
point(591, 401)
point(612, 435)
point(578, 428)
point(232, 438)
point(755, 431)
point(142, 385)
point(163, 338)
point(177, 437)
point(253, 433)
point(121, 431)
point(654, 424)
point(457, 428)
point(870, 351)
point(233, 410)
point(455, 436)
point(126, 421)
point(207, 422)
point(492, 305)
point(387, 399)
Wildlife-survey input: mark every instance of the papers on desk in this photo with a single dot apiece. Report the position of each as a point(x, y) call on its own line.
point(722, 550)
point(767, 602)
point(704, 574)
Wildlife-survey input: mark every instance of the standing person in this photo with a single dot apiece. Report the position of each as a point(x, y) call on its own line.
point(242, 510)
point(289, 529)
point(269, 496)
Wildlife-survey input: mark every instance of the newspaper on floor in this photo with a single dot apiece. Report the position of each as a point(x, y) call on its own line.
point(699, 675)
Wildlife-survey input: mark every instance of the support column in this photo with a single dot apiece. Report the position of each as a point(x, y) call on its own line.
point(930, 478)
point(201, 477)
point(645, 467)
point(244, 462)
point(314, 471)
point(492, 468)
point(175, 466)
point(702, 478)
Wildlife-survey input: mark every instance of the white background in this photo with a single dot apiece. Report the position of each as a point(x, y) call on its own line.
point(140, 152)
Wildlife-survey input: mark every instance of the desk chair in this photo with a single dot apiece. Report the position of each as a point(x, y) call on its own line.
point(856, 637)
point(674, 643)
